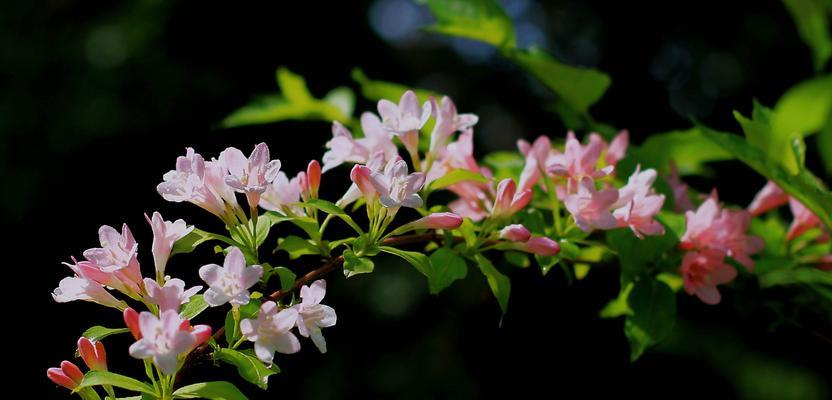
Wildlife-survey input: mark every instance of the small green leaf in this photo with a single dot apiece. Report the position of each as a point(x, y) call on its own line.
point(505, 164)
point(578, 87)
point(99, 378)
point(98, 332)
point(456, 176)
point(297, 246)
point(618, 307)
point(532, 219)
point(688, 149)
point(194, 307)
point(248, 366)
point(468, 231)
point(546, 263)
point(444, 268)
point(789, 276)
point(653, 306)
point(500, 284)
point(331, 208)
point(482, 20)
point(377, 90)
point(635, 254)
point(354, 265)
point(189, 242)
point(217, 390)
point(802, 110)
point(518, 259)
point(811, 18)
point(343, 98)
point(287, 277)
point(418, 260)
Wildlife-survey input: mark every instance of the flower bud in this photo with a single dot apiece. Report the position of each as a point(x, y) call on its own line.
point(68, 375)
point(93, 354)
point(360, 175)
point(131, 319)
point(515, 233)
point(542, 246)
point(443, 220)
point(313, 175)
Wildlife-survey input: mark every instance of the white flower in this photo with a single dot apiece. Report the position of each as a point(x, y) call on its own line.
point(312, 316)
point(230, 283)
point(270, 331)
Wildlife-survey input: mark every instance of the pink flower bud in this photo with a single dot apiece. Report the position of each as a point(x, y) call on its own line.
point(202, 333)
point(520, 200)
point(505, 194)
point(515, 233)
point(303, 182)
point(93, 354)
point(131, 319)
point(443, 220)
point(360, 175)
point(313, 175)
point(68, 375)
point(542, 246)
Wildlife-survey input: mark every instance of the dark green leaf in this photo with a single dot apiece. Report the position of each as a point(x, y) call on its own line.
point(287, 277)
point(331, 208)
point(418, 260)
point(789, 276)
point(444, 268)
point(248, 366)
point(634, 254)
point(618, 307)
point(217, 390)
point(500, 284)
point(653, 307)
point(518, 259)
point(196, 237)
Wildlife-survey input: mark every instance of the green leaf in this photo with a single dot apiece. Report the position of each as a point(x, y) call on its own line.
point(297, 246)
point(802, 110)
point(99, 378)
point(189, 242)
point(635, 254)
point(505, 164)
point(294, 103)
point(578, 87)
point(418, 260)
point(217, 390)
point(533, 220)
point(331, 208)
point(688, 149)
point(343, 98)
point(653, 307)
point(518, 259)
point(500, 284)
point(377, 90)
point(264, 225)
point(194, 307)
point(824, 146)
point(248, 366)
point(788, 276)
point(546, 263)
point(618, 307)
point(803, 186)
point(468, 231)
point(482, 20)
point(98, 332)
point(354, 265)
point(456, 176)
point(287, 277)
point(444, 268)
point(812, 22)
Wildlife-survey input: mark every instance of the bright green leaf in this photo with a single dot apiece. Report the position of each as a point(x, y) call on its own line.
point(445, 267)
point(377, 90)
point(811, 18)
point(189, 242)
point(468, 231)
point(456, 176)
point(688, 149)
point(418, 260)
point(194, 307)
point(217, 390)
point(98, 332)
point(286, 276)
point(248, 366)
point(354, 265)
point(518, 259)
point(99, 378)
point(343, 98)
point(297, 246)
point(618, 307)
point(505, 164)
point(482, 20)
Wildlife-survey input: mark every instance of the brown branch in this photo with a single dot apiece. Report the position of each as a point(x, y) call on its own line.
point(330, 265)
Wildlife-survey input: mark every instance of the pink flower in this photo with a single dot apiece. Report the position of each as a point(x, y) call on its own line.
point(804, 219)
point(117, 251)
point(541, 246)
point(270, 332)
point(68, 375)
point(82, 288)
point(165, 234)
point(131, 321)
point(515, 233)
point(680, 190)
point(579, 161)
point(508, 201)
point(230, 283)
point(702, 270)
point(618, 148)
point(281, 195)
point(171, 296)
point(344, 148)
point(468, 208)
point(165, 338)
point(539, 156)
point(250, 176)
point(396, 188)
point(121, 280)
point(448, 122)
point(361, 177)
point(405, 119)
point(637, 204)
point(590, 208)
point(312, 315)
point(93, 354)
point(769, 197)
point(374, 164)
point(443, 220)
point(195, 181)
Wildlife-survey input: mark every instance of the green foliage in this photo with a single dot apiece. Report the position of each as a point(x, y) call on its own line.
point(518, 259)
point(100, 378)
point(98, 332)
point(811, 18)
point(294, 102)
point(500, 284)
point(652, 307)
point(297, 246)
point(195, 306)
point(377, 90)
point(638, 256)
point(248, 366)
point(286, 276)
point(803, 186)
point(354, 265)
point(332, 209)
point(482, 20)
point(217, 390)
point(232, 321)
point(505, 164)
point(418, 260)
point(688, 149)
point(824, 146)
point(619, 306)
point(445, 267)
point(189, 242)
point(456, 176)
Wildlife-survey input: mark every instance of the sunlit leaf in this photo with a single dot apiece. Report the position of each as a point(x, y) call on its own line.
point(482, 20)
point(811, 18)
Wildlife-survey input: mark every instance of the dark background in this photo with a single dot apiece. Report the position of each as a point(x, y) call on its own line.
point(99, 98)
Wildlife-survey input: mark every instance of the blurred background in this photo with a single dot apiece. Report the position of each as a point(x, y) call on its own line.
point(98, 98)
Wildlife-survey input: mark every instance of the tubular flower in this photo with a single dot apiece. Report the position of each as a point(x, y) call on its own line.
point(804, 219)
point(344, 148)
point(448, 121)
point(590, 208)
point(312, 315)
point(638, 204)
point(702, 270)
point(405, 119)
point(396, 188)
point(250, 175)
point(165, 338)
point(618, 148)
point(131, 321)
point(165, 234)
point(515, 233)
point(282, 194)
point(171, 296)
point(82, 288)
point(681, 201)
point(230, 283)
point(769, 197)
point(270, 332)
point(93, 354)
point(579, 161)
point(196, 181)
point(68, 375)
point(442, 220)
point(508, 201)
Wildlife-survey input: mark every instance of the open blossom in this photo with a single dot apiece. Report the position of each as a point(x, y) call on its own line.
point(123, 280)
point(515, 233)
point(282, 195)
point(82, 288)
point(711, 227)
point(618, 148)
point(230, 283)
point(579, 161)
point(702, 270)
point(165, 338)
point(171, 296)
point(681, 201)
point(68, 375)
point(250, 175)
point(270, 332)
point(508, 201)
point(360, 177)
point(312, 315)
point(590, 208)
point(804, 219)
point(405, 119)
point(395, 187)
point(93, 354)
point(165, 234)
point(448, 121)
point(769, 197)
point(117, 251)
point(344, 148)
point(538, 155)
point(638, 203)
point(196, 181)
